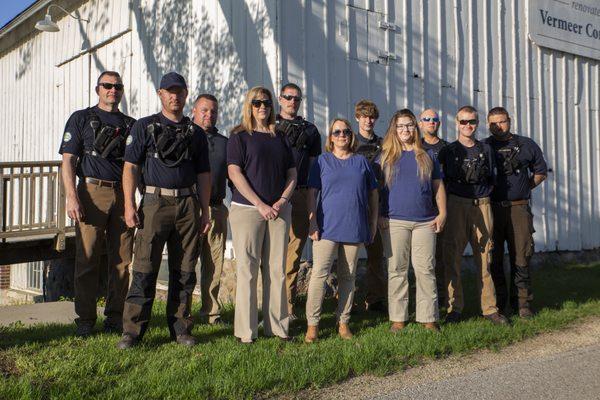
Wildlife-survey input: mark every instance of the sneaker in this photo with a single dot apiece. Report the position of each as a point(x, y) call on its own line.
point(496, 319)
point(127, 341)
point(453, 317)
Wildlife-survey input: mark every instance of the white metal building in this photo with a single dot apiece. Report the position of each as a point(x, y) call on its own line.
point(400, 53)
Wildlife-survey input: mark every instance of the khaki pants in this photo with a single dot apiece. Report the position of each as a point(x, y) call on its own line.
point(375, 276)
point(103, 228)
point(404, 242)
point(212, 252)
point(469, 223)
point(174, 221)
point(298, 237)
point(260, 243)
point(324, 253)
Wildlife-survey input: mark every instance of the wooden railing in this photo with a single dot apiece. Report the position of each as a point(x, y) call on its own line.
point(33, 202)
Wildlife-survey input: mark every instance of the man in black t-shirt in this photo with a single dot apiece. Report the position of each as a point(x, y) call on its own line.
point(305, 142)
point(521, 167)
point(171, 152)
point(469, 169)
point(92, 149)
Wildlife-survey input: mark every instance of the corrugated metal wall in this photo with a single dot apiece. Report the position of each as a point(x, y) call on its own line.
point(403, 53)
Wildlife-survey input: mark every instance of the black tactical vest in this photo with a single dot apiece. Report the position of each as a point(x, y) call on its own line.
point(172, 144)
point(109, 140)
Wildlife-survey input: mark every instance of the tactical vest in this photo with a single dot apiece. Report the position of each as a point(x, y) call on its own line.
point(507, 158)
point(370, 150)
point(464, 170)
point(294, 130)
point(109, 140)
point(172, 144)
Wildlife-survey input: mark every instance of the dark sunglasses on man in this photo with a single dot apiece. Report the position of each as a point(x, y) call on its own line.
point(108, 86)
point(468, 121)
point(342, 132)
point(258, 103)
point(430, 119)
point(289, 97)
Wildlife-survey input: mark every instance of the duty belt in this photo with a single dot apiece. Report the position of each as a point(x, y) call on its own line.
point(189, 191)
point(510, 203)
point(474, 202)
point(100, 182)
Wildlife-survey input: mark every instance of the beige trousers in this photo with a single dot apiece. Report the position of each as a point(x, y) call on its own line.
point(258, 242)
point(404, 242)
point(298, 237)
point(212, 252)
point(469, 223)
point(324, 252)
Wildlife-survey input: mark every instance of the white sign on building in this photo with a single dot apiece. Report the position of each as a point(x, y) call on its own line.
point(569, 26)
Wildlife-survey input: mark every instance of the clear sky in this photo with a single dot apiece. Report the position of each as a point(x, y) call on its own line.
point(10, 9)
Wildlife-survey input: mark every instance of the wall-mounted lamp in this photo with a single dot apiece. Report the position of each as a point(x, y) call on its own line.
point(47, 25)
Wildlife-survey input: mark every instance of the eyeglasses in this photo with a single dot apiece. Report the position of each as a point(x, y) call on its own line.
point(468, 121)
point(258, 103)
point(108, 86)
point(430, 119)
point(342, 132)
point(289, 97)
point(408, 127)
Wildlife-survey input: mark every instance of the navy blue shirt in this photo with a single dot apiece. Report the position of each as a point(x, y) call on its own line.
point(453, 157)
point(79, 137)
point(184, 175)
point(311, 148)
point(408, 197)
point(217, 154)
point(264, 159)
point(435, 148)
point(343, 207)
point(531, 162)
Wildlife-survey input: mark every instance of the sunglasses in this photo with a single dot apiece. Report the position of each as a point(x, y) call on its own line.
point(342, 132)
point(430, 119)
point(108, 86)
point(258, 103)
point(289, 97)
point(468, 121)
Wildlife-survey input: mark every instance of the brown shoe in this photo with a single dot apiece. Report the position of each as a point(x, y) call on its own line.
point(432, 326)
point(397, 327)
point(526, 313)
point(344, 331)
point(496, 319)
point(312, 334)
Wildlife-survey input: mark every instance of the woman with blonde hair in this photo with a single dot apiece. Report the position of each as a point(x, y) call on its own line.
point(343, 220)
point(409, 219)
point(261, 167)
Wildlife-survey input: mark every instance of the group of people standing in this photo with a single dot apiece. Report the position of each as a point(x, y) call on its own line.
point(408, 197)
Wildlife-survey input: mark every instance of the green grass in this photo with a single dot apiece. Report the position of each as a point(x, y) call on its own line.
point(48, 362)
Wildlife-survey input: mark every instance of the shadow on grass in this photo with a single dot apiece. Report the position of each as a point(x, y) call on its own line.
point(553, 286)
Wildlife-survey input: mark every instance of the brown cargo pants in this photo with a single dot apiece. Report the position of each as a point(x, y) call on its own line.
point(472, 223)
point(212, 252)
point(174, 221)
point(513, 225)
point(103, 228)
point(298, 236)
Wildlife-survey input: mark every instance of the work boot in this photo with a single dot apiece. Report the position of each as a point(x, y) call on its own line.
point(186, 339)
point(496, 319)
point(432, 326)
point(84, 329)
point(111, 327)
point(526, 313)
point(312, 334)
point(127, 341)
point(397, 327)
point(453, 317)
point(344, 331)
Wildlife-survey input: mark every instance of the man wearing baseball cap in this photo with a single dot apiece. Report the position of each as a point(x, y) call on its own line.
point(171, 154)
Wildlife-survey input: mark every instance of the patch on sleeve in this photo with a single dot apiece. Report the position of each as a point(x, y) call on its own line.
point(67, 136)
point(129, 140)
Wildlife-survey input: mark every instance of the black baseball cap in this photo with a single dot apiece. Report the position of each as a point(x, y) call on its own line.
point(172, 79)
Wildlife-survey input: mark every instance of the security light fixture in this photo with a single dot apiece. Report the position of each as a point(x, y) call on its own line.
point(47, 25)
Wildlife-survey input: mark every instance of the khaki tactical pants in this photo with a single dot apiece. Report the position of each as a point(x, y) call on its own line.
point(469, 223)
point(513, 225)
point(103, 228)
point(174, 221)
point(324, 253)
point(259, 243)
point(411, 242)
point(298, 236)
point(212, 252)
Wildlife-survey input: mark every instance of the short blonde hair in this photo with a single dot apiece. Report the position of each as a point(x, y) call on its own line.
point(248, 123)
point(329, 143)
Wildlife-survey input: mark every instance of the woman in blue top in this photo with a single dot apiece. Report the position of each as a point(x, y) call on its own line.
point(344, 219)
point(409, 219)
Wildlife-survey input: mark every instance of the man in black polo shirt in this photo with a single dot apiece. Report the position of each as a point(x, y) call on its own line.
point(469, 175)
point(212, 248)
point(172, 153)
point(521, 167)
point(305, 141)
point(92, 148)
